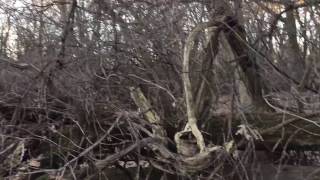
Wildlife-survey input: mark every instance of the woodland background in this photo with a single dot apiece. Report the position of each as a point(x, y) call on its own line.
point(175, 89)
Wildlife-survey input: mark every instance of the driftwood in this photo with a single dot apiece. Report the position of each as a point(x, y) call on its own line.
point(148, 112)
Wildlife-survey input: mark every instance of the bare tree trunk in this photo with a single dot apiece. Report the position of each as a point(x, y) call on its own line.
point(236, 37)
point(294, 56)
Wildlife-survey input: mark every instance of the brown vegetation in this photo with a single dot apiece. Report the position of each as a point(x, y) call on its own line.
point(191, 89)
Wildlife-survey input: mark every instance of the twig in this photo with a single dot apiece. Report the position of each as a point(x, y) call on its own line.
point(291, 114)
point(17, 65)
point(86, 151)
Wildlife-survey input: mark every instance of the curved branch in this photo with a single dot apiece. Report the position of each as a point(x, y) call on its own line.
point(192, 120)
